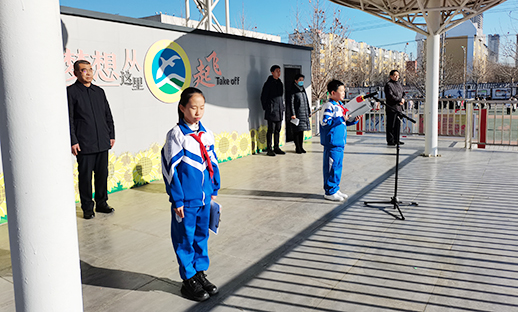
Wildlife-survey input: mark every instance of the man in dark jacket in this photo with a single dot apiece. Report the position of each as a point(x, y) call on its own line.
point(273, 105)
point(394, 98)
point(92, 134)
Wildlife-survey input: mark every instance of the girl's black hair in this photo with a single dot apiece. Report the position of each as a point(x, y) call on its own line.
point(185, 97)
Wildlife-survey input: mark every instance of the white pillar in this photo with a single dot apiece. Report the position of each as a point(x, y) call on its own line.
point(432, 85)
point(187, 13)
point(227, 16)
point(36, 158)
point(209, 15)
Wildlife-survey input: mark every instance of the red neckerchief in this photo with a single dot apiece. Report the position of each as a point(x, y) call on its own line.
point(344, 110)
point(204, 153)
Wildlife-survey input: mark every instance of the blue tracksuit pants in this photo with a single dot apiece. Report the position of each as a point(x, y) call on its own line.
point(333, 160)
point(190, 236)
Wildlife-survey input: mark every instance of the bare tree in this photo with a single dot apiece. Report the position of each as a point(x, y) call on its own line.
point(326, 34)
point(451, 72)
point(243, 22)
point(360, 71)
point(498, 72)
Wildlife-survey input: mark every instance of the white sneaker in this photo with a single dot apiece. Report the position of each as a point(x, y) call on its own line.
point(334, 197)
point(345, 196)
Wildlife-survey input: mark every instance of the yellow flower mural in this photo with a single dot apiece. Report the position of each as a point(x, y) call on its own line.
point(234, 145)
point(282, 136)
point(76, 183)
point(147, 167)
point(223, 146)
point(244, 145)
point(113, 175)
point(253, 140)
point(155, 150)
point(129, 170)
point(126, 163)
point(3, 203)
point(261, 137)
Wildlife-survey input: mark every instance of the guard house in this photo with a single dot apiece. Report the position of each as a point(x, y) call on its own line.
point(128, 57)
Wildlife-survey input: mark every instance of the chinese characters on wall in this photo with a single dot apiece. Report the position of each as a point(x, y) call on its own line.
point(105, 68)
point(107, 72)
point(204, 71)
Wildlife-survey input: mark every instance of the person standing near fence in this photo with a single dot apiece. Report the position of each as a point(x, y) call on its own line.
point(394, 98)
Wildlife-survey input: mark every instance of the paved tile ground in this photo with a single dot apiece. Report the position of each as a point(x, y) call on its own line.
point(282, 247)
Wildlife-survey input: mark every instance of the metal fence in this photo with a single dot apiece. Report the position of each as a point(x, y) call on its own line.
point(480, 122)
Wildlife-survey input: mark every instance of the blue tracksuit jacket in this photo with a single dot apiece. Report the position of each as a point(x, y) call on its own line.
point(333, 136)
point(185, 174)
point(188, 184)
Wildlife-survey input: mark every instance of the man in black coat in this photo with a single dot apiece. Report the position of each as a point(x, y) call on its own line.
point(394, 98)
point(92, 134)
point(273, 105)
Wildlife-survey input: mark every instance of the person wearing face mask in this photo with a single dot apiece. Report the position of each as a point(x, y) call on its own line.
point(299, 111)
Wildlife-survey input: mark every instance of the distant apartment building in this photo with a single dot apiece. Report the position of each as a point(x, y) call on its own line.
point(411, 67)
point(493, 44)
point(373, 63)
point(464, 44)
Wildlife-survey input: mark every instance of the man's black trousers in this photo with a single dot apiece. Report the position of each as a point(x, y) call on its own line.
point(86, 164)
point(393, 124)
point(274, 127)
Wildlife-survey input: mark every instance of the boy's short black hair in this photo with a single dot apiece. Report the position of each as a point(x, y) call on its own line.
point(297, 76)
point(333, 85)
point(392, 72)
point(274, 67)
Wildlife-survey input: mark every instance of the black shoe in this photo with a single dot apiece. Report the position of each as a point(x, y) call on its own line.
point(88, 215)
point(210, 288)
point(105, 209)
point(303, 151)
point(279, 151)
point(270, 153)
point(401, 143)
point(298, 151)
point(193, 290)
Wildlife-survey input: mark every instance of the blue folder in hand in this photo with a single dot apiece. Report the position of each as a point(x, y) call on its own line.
point(215, 211)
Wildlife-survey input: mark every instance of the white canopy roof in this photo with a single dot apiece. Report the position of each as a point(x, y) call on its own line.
point(413, 14)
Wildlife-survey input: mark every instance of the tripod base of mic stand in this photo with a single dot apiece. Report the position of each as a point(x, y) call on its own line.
point(395, 202)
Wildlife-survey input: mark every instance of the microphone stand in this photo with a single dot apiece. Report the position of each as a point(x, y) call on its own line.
point(394, 200)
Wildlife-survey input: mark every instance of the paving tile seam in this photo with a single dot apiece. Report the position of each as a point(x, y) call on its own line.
point(371, 244)
point(418, 260)
point(395, 242)
point(411, 273)
point(415, 263)
point(291, 304)
point(396, 288)
point(440, 273)
point(365, 295)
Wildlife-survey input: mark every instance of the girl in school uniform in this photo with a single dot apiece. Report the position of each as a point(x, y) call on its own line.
point(191, 176)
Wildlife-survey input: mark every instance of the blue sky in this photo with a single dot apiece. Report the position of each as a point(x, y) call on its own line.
point(277, 17)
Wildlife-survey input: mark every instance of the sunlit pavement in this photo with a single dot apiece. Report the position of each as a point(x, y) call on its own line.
point(282, 247)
